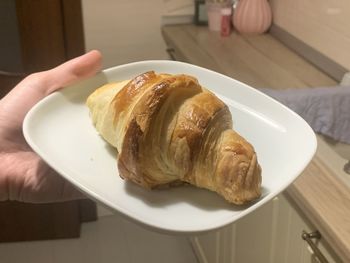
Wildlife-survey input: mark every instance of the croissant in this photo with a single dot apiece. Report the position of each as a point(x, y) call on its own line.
point(168, 129)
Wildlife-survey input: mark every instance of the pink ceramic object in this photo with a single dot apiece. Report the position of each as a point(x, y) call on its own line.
point(252, 16)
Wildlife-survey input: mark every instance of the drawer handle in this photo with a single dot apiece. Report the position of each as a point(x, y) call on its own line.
point(308, 238)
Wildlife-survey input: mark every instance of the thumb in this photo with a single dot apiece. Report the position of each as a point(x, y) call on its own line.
point(72, 71)
point(38, 85)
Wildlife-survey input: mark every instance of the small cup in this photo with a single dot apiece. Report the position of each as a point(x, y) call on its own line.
point(214, 13)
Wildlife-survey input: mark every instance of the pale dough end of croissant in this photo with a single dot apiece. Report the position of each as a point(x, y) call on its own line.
point(169, 129)
point(100, 112)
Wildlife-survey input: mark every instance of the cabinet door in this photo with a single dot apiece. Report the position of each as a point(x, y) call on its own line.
point(290, 247)
point(271, 234)
point(248, 240)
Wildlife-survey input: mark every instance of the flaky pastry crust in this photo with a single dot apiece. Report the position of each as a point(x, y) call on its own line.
point(169, 129)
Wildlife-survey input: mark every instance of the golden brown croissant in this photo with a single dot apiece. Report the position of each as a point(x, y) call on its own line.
point(168, 129)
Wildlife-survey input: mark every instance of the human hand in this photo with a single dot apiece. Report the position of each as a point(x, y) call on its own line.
point(24, 176)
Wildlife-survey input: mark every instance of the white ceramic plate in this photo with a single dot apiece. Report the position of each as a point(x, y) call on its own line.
point(59, 129)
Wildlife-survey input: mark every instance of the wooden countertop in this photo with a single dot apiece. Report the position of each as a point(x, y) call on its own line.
point(264, 62)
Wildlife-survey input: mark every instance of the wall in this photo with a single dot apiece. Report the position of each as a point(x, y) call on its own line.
point(178, 11)
point(322, 24)
point(124, 30)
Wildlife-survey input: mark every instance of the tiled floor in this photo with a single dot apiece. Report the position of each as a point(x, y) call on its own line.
point(110, 239)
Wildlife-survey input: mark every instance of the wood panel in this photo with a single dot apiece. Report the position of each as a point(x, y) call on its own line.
point(50, 32)
point(73, 28)
point(41, 32)
point(321, 24)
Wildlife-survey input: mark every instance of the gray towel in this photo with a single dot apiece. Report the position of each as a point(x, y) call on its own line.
point(325, 109)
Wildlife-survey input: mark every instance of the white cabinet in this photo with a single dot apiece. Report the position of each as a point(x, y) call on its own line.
point(271, 234)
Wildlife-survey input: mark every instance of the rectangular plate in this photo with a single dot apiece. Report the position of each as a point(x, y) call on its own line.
point(60, 130)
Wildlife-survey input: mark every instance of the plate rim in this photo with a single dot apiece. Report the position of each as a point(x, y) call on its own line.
point(221, 223)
